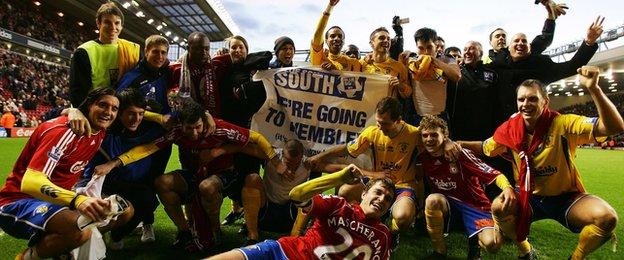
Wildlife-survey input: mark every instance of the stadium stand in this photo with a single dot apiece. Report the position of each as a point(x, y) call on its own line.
point(19, 17)
point(589, 109)
point(31, 87)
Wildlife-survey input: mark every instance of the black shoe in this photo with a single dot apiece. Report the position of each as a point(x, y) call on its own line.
point(242, 230)
point(183, 239)
point(232, 217)
point(531, 255)
point(474, 250)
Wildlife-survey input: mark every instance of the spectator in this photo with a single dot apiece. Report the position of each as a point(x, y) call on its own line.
point(284, 53)
point(8, 119)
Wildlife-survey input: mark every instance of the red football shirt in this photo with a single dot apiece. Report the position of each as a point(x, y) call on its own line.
point(340, 231)
point(461, 181)
point(57, 152)
point(190, 149)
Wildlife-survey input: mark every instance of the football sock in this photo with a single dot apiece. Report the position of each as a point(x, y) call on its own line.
point(394, 227)
point(435, 226)
point(300, 222)
point(508, 226)
point(590, 239)
point(251, 203)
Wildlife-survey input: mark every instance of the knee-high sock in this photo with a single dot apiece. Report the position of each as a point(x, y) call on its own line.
point(251, 203)
point(300, 222)
point(394, 226)
point(435, 228)
point(590, 239)
point(508, 226)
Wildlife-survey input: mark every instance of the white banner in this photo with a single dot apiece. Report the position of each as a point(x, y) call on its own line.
point(320, 108)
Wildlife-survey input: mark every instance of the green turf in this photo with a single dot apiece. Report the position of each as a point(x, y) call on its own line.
point(600, 169)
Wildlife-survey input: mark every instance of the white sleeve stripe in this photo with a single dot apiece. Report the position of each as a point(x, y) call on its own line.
point(478, 162)
point(68, 136)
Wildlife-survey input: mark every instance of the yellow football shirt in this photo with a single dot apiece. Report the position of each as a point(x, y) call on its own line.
point(393, 155)
point(389, 67)
point(554, 171)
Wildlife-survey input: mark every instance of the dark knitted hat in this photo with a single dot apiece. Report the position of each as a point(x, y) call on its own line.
point(281, 42)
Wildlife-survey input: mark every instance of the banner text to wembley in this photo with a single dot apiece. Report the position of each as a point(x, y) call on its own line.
point(317, 107)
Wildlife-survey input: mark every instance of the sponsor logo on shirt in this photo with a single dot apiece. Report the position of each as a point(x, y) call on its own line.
point(78, 167)
point(545, 171)
point(444, 185)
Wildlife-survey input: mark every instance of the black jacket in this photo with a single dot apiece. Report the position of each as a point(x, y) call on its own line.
point(538, 45)
point(238, 109)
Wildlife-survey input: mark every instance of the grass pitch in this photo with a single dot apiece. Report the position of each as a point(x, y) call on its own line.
point(601, 171)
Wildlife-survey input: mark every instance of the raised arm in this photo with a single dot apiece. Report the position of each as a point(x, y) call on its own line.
point(302, 193)
point(318, 38)
point(542, 41)
point(609, 119)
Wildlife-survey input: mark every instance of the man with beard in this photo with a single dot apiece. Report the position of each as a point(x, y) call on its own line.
point(197, 76)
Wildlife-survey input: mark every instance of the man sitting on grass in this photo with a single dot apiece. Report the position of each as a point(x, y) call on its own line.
point(37, 202)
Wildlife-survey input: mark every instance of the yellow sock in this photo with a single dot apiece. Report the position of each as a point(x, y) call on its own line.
point(435, 227)
point(524, 247)
point(508, 226)
point(251, 203)
point(590, 239)
point(300, 222)
point(394, 227)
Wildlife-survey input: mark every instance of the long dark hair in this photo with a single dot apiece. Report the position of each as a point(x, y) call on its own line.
point(93, 97)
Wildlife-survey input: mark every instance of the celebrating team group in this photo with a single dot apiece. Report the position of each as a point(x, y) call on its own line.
point(460, 138)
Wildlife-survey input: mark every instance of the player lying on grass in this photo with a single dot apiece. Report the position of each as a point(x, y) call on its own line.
point(340, 231)
point(543, 143)
point(457, 194)
point(37, 202)
point(212, 179)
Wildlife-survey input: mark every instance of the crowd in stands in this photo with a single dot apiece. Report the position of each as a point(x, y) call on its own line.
point(21, 17)
point(30, 88)
point(589, 109)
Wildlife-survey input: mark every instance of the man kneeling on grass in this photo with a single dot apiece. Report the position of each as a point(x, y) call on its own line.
point(341, 230)
point(457, 194)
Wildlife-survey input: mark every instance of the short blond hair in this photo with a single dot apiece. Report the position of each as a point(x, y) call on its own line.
point(154, 40)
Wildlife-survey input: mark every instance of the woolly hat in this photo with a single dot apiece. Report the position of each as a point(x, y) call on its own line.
point(281, 42)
